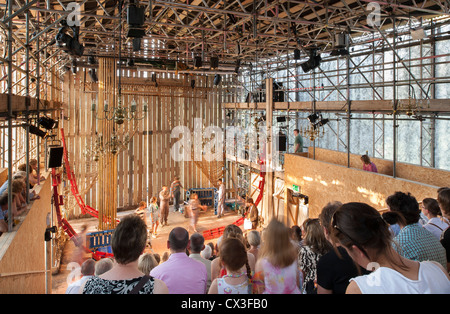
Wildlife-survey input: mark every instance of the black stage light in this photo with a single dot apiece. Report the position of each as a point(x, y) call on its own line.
point(192, 83)
point(36, 131)
point(69, 44)
point(214, 62)
point(312, 63)
point(217, 79)
point(312, 118)
point(322, 122)
point(93, 75)
point(198, 62)
point(47, 123)
point(296, 54)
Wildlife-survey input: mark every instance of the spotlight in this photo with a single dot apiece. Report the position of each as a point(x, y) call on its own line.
point(313, 118)
point(312, 63)
point(214, 62)
point(192, 83)
point(339, 52)
point(217, 79)
point(296, 54)
point(36, 131)
point(93, 75)
point(322, 122)
point(47, 122)
point(69, 44)
point(197, 62)
point(91, 60)
point(130, 62)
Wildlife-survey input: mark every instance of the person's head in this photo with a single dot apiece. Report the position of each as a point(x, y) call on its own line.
point(23, 167)
point(176, 178)
point(211, 245)
point(194, 196)
point(443, 200)
point(296, 132)
point(17, 185)
point(88, 267)
point(206, 253)
point(254, 238)
point(178, 240)
point(277, 246)
point(4, 200)
point(365, 159)
point(430, 207)
point(361, 230)
point(165, 188)
point(232, 231)
point(165, 257)
point(233, 254)
point(103, 265)
point(197, 243)
point(146, 263)
point(249, 201)
point(296, 233)
point(326, 214)
point(33, 163)
point(129, 239)
point(315, 238)
point(219, 181)
point(142, 204)
point(406, 204)
point(153, 199)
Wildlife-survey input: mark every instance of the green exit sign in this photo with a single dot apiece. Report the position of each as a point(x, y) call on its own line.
point(296, 188)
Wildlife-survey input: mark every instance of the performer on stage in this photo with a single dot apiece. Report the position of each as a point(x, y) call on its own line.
point(252, 212)
point(221, 202)
point(195, 207)
point(175, 192)
point(164, 198)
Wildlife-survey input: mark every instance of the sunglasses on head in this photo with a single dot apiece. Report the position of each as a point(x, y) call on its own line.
point(334, 224)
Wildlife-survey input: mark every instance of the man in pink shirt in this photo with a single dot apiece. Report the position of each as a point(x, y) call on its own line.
point(181, 274)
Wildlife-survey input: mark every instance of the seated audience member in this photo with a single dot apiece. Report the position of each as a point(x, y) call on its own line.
point(254, 240)
point(335, 268)
point(197, 245)
point(231, 231)
point(413, 241)
point(4, 210)
point(315, 246)
point(360, 229)
point(127, 243)
point(147, 262)
point(430, 208)
point(276, 269)
point(182, 275)
point(87, 271)
point(103, 265)
point(34, 164)
point(206, 253)
point(367, 164)
point(213, 250)
point(443, 200)
point(31, 179)
point(234, 257)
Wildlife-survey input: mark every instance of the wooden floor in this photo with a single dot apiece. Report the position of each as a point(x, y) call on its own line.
point(207, 221)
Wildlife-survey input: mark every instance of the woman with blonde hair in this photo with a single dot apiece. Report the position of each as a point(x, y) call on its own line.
point(276, 270)
point(231, 231)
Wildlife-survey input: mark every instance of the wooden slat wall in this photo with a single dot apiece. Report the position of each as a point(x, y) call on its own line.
point(146, 165)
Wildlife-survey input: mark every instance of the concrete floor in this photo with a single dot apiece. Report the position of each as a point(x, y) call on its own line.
point(71, 253)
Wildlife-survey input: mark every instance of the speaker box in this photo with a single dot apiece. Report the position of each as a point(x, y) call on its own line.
point(135, 15)
point(282, 142)
point(198, 62)
point(54, 156)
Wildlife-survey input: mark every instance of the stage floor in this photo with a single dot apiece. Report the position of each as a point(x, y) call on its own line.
point(206, 221)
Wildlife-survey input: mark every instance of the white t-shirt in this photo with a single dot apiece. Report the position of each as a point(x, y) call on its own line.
point(436, 226)
point(432, 280)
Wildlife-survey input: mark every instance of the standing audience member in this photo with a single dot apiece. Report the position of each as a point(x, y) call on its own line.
point(276, 269)
point(213, 250)
point(164, 198)
point(315, 246)
point(298, 141)
point(335, 268)
point(155, 213)
point(367, 164)
point(360, 229)
point(140, 211)
point(197, 246)
point(252, 212)
point(175, 192)
point(231, 231)
point(221, 199)
point(413, 241)
point(206, 253)
point(103, 265)
point(87, 271)
point(430, 208)
point(127, 243)
point(233, 257)
point(254, 240)
point(296, 236)
point(146, 263)
point(182, 275)
point(443, 200)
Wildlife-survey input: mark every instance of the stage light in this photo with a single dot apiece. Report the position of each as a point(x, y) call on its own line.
point(312, 63)
point(69, 44)
point(214, 62)
point(297, 54)
point(197, 62)
point(47, 123)
point(36, 131)
point(322, 122)
point(313, 118)
point(93, 75)
point(217, 79)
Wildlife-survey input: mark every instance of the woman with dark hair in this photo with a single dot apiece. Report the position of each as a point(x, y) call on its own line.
point(443, 200)
point(127, 243)
point(367, 164)
point(360, 229)
point(430, 208)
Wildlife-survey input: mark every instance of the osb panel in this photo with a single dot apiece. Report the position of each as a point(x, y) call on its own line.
point(324, 182)
point(26, 252)
point(411, 172)
point(3, 175)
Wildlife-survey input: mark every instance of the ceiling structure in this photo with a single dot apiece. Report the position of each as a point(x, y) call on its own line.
point(180, 30)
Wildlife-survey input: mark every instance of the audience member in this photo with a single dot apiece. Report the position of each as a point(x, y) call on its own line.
point(367, 164)
point(413, 241)
point(127, 243)
point(254, 240)
point(31, 177)
point(146, 263)
point(165, 257)
point(164, 198)
point(197, 245)
point(233, 257)
point(360, 229)
point(103, 265)
point(213, 250)
point(4, 210)
point(206, 253)
point(335, 268)
point(443, 200)
point(315, 246)
point(87, 271)
point(34, 164)
point(296, 236)
point(252, 212)
point(182, 275)
point(276, 269)
point(430, 208)
point(140, 211)
point(231, 231)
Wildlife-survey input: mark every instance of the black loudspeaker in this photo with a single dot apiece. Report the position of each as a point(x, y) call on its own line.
point(297, 54)
point(282, 142)
point(198, 62)
point(214, 62)
point(54, 156)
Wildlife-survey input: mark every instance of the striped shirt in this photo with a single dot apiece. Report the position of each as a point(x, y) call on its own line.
point(175, 186)
point(418, 244)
